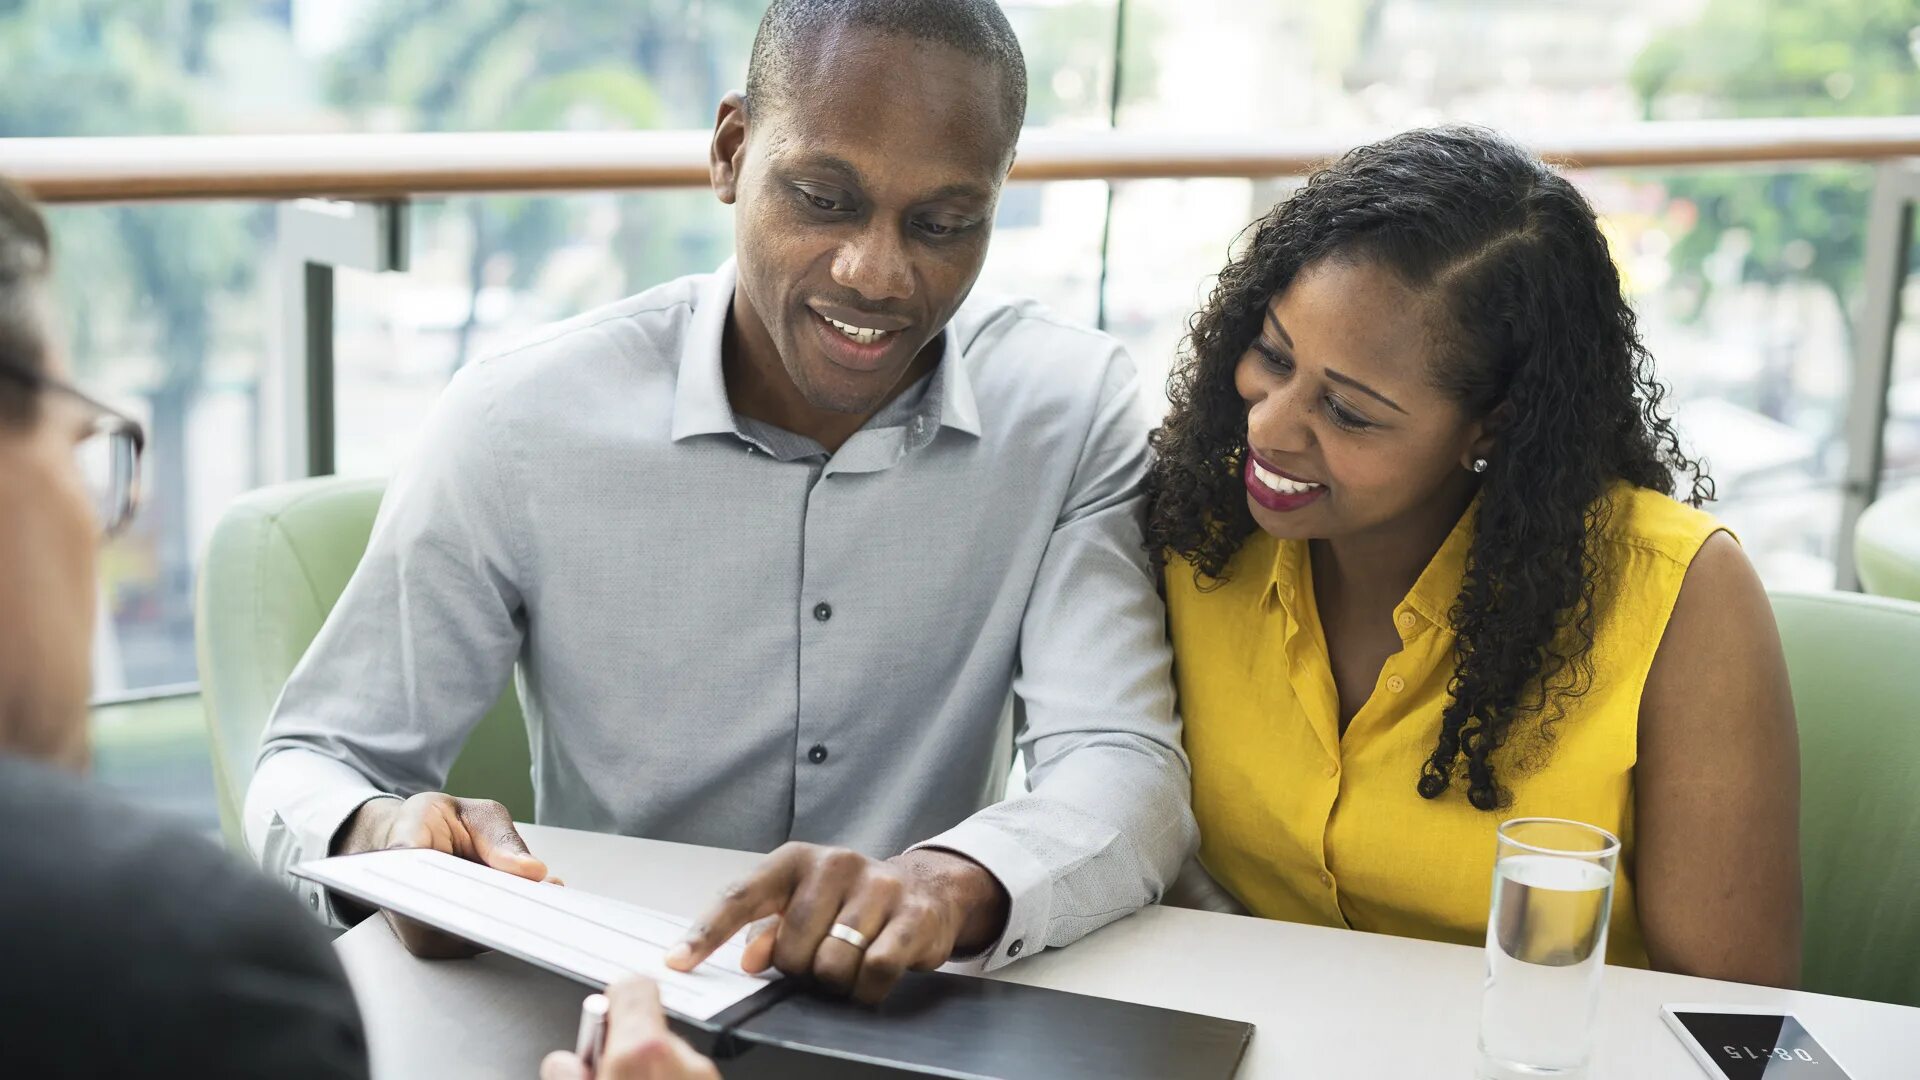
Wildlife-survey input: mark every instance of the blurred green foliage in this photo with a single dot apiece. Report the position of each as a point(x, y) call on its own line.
point(1781, 58)
point(434, 65)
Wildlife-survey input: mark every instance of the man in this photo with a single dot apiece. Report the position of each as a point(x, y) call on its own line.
point(784, 553)
point(133, 947)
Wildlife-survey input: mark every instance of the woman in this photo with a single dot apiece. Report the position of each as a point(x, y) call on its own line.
point(131, 942)
point(1425, 573)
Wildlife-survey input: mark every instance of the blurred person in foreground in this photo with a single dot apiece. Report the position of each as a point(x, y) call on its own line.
point(129, 946)
point(789, 557)
point(1427, 571)
point(124, 941)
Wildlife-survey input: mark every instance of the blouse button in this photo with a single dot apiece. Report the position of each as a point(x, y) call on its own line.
point(1396, 684)
point(1406, 620)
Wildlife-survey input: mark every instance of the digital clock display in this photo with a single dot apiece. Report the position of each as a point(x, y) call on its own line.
point(1760, 1047)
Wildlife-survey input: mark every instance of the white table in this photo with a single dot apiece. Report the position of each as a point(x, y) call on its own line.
point(1326, 1003)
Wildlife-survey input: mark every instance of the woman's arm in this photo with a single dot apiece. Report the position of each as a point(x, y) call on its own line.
point(1717, 785)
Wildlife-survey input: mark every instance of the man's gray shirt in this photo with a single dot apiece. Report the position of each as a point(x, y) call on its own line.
point(725, 636)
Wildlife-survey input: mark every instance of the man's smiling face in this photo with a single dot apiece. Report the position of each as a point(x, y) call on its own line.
point(864, 201)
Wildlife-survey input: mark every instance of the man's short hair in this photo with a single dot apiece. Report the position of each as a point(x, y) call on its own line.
point(25, 258)
point(975, 27)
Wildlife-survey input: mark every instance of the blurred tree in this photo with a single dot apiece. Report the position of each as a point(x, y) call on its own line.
point(1770, 58)
point(143, 278)
point(439, 65)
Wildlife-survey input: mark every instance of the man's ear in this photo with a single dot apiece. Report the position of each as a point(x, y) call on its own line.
point(729, 147)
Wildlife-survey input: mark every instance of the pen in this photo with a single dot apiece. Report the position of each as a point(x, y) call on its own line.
point(593, 1030)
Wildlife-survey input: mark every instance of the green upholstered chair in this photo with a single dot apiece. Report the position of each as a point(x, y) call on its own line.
point(277, 563)
point(1855, 665)
point(1886, 546)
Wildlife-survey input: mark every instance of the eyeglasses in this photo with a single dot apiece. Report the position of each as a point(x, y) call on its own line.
point(108, 456)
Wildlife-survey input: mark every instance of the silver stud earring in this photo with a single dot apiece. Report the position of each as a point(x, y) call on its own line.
point(1479, 464)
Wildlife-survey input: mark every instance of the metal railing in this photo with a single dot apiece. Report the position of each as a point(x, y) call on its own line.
point(345, 200)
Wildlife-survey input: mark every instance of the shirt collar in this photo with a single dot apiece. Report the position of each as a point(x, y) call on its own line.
point(953, 387)
point(1283, 582)
point(700, 405)
point(1433, 594)
point(1438, 588)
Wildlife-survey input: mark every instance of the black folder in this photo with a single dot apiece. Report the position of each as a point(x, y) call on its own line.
point(937, 1024)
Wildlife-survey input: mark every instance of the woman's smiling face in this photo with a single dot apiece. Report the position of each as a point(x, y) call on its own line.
point(1348, 433)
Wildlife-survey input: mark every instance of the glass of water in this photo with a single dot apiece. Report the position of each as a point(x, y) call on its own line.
point(1546, 945)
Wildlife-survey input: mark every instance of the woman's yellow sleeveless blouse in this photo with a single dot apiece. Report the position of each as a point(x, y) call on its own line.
point(1303, 824)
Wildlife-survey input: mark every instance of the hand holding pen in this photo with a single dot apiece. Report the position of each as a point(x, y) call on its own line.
point(624, 1036)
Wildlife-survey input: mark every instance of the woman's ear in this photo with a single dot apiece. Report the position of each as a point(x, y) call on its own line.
point(1485, 441)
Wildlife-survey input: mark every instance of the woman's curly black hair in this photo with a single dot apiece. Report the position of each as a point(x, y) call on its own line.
point(1534, 321)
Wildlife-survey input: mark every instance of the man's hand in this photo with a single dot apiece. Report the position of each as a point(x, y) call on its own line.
point(914, 911)
point(479, 830)
point(638, 1046)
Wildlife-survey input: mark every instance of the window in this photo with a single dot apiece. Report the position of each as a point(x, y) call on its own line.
point(167, 317)
point(175, 312)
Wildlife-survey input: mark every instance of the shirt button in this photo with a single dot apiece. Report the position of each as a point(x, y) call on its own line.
point(313, 900)
point(823, 611)
point(1013, 950)
point(1396, 684)
point(1406, 620)
point(818, 754)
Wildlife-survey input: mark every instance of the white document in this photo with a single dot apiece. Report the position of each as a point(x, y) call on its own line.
point(592, 939)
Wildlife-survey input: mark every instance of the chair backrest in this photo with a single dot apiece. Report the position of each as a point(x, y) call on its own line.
point(278, 561)
point(1886, 546)
point(1855, 665)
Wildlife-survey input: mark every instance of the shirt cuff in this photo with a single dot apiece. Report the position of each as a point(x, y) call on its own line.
point(296, 805)
point(1029, 888)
